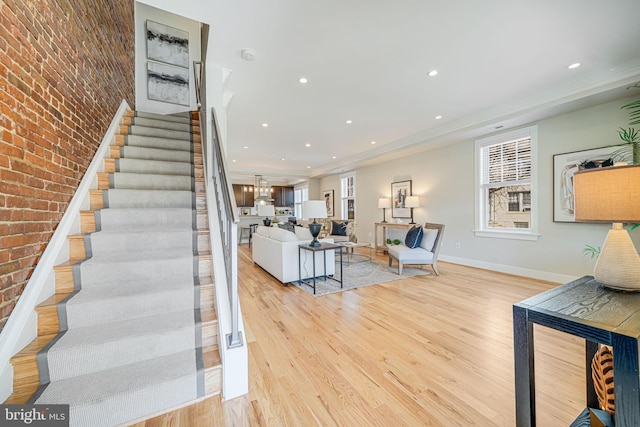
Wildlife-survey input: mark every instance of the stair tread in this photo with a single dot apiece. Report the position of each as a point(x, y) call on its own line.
point(53, 300)
point(124, 329)
point(211, 357)
point(101, 293)
point(32, 348)
point(120, 380)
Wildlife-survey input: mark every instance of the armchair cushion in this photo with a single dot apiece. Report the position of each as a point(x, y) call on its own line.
point(429, 238)
point(414, 237)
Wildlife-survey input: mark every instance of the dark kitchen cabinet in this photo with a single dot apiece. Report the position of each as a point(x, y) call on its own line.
point(282, 196)
point(243, 195)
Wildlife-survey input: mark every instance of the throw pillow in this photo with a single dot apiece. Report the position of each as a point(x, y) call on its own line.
point(414, 237)
point(287, 226)
point(339, 228)
point(429, 239)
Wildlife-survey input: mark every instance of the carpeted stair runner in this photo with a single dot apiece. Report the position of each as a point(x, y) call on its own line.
point(132, 340)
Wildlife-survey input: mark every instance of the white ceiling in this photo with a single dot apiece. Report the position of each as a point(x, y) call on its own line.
point(500, 63)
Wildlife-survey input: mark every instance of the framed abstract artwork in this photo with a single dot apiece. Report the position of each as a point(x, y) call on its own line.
point(167, 44)
point(564, 166)
point(167, 83)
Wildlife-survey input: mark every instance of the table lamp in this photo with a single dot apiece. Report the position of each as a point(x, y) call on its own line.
point(268, 212)
point(412, 202)
point(384, 203)
point(612, 194)
point(314, 209)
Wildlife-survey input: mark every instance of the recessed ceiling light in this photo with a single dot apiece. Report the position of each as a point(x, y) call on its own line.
point(438, 117)
point(303, 80)
point(282, 158)
point(373, 142)
point(234, 160)
point(265, 125)
point(307, 145)
point(245, 147)
point(308, 167)
point(349, 122)
point(574, 65)
point(333, 157)
point(432, 73)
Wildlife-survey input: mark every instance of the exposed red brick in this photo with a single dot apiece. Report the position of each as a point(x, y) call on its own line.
point(59, 87)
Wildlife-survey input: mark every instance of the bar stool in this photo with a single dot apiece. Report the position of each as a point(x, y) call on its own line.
point(252, 229)
point(245, 232)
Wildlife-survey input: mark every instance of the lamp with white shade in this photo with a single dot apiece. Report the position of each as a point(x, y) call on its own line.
point(314, 209)
point(384, 203)
point(412, 202)
point(612, 194)
point(268, 212)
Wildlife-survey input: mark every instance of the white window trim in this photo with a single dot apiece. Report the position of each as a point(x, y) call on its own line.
point(343, 199)
point(480, 209)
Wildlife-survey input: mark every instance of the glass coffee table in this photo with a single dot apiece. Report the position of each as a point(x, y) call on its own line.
point(351, 255)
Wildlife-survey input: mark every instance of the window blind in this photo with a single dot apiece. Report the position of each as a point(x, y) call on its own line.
point(507, 162)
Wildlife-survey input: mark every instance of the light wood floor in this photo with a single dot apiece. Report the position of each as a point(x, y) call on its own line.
point(423, 351)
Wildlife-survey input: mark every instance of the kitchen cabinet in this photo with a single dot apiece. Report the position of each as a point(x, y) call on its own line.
point(243, 195)
point(282, 196)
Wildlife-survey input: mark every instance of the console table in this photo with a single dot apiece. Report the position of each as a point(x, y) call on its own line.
point(385, 226)
point(584, 308)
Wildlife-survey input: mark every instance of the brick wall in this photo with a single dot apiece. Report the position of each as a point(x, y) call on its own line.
point(65, 67)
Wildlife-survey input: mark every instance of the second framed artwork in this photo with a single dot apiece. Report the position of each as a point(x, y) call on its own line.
point(564, 166)
point(328, 199)
point(399, 193)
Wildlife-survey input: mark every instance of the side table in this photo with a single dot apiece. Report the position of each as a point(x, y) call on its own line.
point(324, 247)
point(584, 308)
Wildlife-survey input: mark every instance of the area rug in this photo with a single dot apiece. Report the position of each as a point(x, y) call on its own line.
point(361, 274)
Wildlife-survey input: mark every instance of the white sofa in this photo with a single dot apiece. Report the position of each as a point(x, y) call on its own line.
point(276, 250)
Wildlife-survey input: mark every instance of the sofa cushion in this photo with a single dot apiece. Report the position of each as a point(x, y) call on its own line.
point(429, 239)
point(407, 255)
point(303, 233)
point(282, 235)
point(414, 237)
point(339, 228)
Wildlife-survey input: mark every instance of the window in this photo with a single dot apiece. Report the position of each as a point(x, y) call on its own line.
point(299, 195)
point(506, 185)
point(348, 189)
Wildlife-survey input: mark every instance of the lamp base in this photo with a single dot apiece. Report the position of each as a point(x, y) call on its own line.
point(267, 222)
point(618, 266)
point(315, 228)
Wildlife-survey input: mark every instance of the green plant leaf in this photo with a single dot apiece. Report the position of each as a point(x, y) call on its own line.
point(592, 251)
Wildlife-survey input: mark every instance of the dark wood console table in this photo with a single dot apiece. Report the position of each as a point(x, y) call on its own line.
point(584, 308)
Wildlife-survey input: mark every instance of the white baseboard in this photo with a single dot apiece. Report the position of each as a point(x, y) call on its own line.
point(21, 327)
point(509, 269)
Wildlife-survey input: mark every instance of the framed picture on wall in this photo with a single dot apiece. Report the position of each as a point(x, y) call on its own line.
point(399, 193)
point(351, 209)
point(328, 199)
point(167, 83)
point(564, 166)
point(167, 44)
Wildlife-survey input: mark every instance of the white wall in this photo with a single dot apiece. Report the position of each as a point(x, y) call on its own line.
point(443, 178)
point(142, 13)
